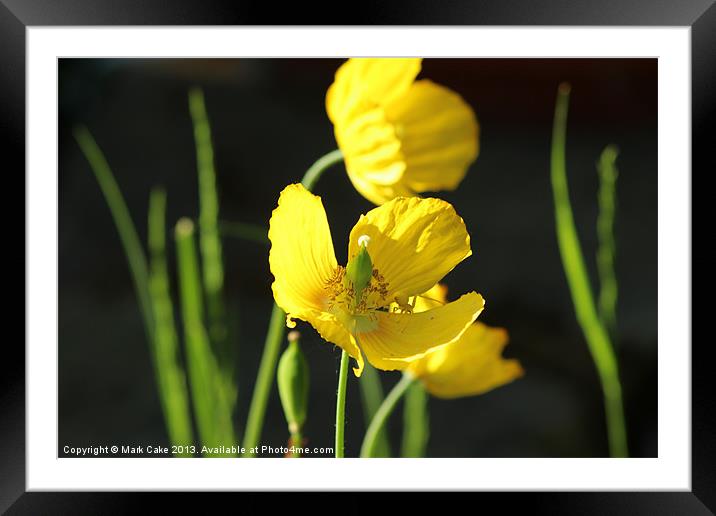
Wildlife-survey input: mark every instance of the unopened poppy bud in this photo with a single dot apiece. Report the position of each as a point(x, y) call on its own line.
point(360, 268)
point(293, 380)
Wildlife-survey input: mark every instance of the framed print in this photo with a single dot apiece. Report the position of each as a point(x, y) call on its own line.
point(421, 257)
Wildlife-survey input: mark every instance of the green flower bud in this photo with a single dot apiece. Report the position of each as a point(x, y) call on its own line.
point(360, 268)
point(293, 379)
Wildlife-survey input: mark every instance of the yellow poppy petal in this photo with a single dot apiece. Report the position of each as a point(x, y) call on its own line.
point(384, 79)
point(399, 136)
point(369, 183)
point(331, 329)
point(376, 193)
point(438, 133)
point(471, 365)
point(302, 258)
point(373, 80)
point(433, 298)
point(414, 242)
point(396, 339)
point(371, 148)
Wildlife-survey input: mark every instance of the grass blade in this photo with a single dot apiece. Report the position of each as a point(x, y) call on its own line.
point(171, 379)
point(606, 251)
point(264, 381)
point(210, 242)
point(372, 397)
point(416, 421)
point(211, 407)
point(123, 222)
point(597, 337)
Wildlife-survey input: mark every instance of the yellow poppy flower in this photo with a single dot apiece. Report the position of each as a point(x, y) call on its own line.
point(470, 365)
point(399, 136)
point(407, 245)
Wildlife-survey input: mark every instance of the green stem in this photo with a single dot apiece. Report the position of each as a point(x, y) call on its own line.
point(606, 251)
point(209, 243)
point(381, 417)
point(171, 379)
point(264, 381)
point(575, 269)
point(416, 421)
point(211, 407)
point(372, 397)
point(341, 405)
point(245, 231)
point(296, 441)
point(212, 267)
point(123, 221)
point(313, 174)
point(274, 337)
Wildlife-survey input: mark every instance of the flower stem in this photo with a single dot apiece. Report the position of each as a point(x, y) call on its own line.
point(296, 441)
point(596, 334)
point(264, 380)
point(416, 421)
point(274, 337)
point(381, 417)
point(313, 174)
point(372, 397)
point(341, 405)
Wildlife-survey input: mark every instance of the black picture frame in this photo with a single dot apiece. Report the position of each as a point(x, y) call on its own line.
point(17, 15)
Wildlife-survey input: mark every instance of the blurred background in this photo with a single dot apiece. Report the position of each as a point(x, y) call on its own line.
point(269, 124)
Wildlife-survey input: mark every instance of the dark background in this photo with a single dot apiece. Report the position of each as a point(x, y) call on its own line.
point(269, 124)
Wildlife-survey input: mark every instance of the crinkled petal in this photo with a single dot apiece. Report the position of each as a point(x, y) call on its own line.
point(438, 133)
point(395, 339)
point(399, 137)
point(376, 193)
point(371, 81)
point(471, 365)
point(371, 149)
point(302, 258)
point(414, 242)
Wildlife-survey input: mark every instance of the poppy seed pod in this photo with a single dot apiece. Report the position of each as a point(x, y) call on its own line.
point(293, 381)
point(359, 269)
